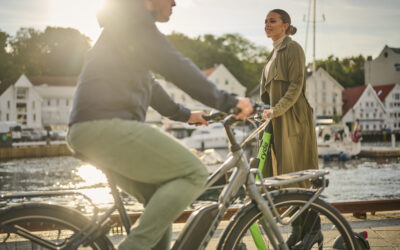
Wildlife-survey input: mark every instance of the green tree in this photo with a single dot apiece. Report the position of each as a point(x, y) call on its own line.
point(63, 51)
point(5, 57)
point(349, 72)
point(27, 51)
point(244, 59)
point(56, 51)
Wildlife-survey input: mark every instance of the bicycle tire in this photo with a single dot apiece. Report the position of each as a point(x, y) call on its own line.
point(59, 223)
point(237, 236)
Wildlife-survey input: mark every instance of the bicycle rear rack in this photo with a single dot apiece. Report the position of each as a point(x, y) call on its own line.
point(294, 177)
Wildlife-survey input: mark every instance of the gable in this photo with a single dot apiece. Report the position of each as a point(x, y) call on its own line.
point(23, 81)
point(369, 92)
point(223, 73)
point(331, 79)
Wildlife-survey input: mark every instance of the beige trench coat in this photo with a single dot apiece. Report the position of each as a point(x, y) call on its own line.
point(293, 124)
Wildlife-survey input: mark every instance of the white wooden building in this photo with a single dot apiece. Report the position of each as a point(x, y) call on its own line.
point(219, 75)
point(390, 97)
point(385, 69)
point(37, 102)
point(21, 103)
point(324, 94)
point(362, 103)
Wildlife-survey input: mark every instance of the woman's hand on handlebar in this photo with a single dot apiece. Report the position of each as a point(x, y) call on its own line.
point(267, 114)
point(246, 108)
point(196, 117)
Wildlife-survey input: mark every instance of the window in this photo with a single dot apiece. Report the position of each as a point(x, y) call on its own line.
point(58, 102)
point(33, 105)
point(374, 126)
point(367, 126)
point(323, 97)
point(226, 82)
point(216, 81)
point(397, 96)
point(372, 104)
point(67, 102)
point(374, 115)
point(7, 116)
point(21, 108)
point(361, 115)
point(323, 85)
point(367, 104)
point(22, 93)
point(367, 115)
point(48, 102)
point(8, 104)
point(34, 117)
point(334, 95)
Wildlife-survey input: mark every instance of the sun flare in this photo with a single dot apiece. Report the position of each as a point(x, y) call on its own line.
point(77, 14)
point(91, 175)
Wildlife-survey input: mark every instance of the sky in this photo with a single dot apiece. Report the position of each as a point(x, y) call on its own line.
point(344, 28)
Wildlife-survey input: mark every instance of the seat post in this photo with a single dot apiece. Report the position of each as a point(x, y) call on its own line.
point(118, 201)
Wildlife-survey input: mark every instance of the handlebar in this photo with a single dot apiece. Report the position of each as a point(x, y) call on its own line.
point(229, 119)
point(220, 116)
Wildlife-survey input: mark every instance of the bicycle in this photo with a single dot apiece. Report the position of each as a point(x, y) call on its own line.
point(263, 222)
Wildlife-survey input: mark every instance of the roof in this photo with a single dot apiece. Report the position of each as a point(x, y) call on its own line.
point(40, 80)
point(383, 91)
point(350, 96)
point(208, 72)
point(395, 50)
point(5, 84)
point(54, 80)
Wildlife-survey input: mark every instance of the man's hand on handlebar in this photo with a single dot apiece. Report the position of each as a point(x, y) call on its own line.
point(246, 108)
point(196, 117)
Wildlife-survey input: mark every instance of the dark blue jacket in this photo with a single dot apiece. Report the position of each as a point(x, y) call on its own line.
point(116, 82)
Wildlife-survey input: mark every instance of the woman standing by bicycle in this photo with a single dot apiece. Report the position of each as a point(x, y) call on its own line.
point(294, 142)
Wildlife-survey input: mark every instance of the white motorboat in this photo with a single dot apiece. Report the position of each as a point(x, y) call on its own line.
point(212, 136)
point(336, 140)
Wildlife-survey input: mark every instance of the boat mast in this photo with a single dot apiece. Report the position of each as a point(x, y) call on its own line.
point(313, 62)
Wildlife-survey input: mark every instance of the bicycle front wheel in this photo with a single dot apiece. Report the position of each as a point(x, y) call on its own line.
point(46, 223)
point(316, 228)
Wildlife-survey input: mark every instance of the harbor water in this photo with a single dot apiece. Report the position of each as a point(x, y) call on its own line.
point(353, 180)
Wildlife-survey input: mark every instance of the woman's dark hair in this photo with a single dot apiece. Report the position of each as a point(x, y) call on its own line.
point(291, 30)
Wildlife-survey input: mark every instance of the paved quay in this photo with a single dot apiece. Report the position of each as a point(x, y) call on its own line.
point(383, 230)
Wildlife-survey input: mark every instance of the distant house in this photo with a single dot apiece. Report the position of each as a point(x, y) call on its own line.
point(324, 94)
point(36, 102)
point(321, 88)
point(219, 75)
point(385, 69)
point(390, 97)
point(362, 103)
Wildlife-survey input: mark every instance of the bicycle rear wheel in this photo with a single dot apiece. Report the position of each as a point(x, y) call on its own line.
point(52, 223)
point(316, 228)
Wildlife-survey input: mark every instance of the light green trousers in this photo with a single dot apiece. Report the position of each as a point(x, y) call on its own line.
point(149, 164)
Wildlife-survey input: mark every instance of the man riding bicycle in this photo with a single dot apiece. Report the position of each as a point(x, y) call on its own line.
point(107, 125)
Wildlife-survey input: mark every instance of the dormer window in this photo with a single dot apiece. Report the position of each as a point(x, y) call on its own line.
point(22, 93)
point(385, 54)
